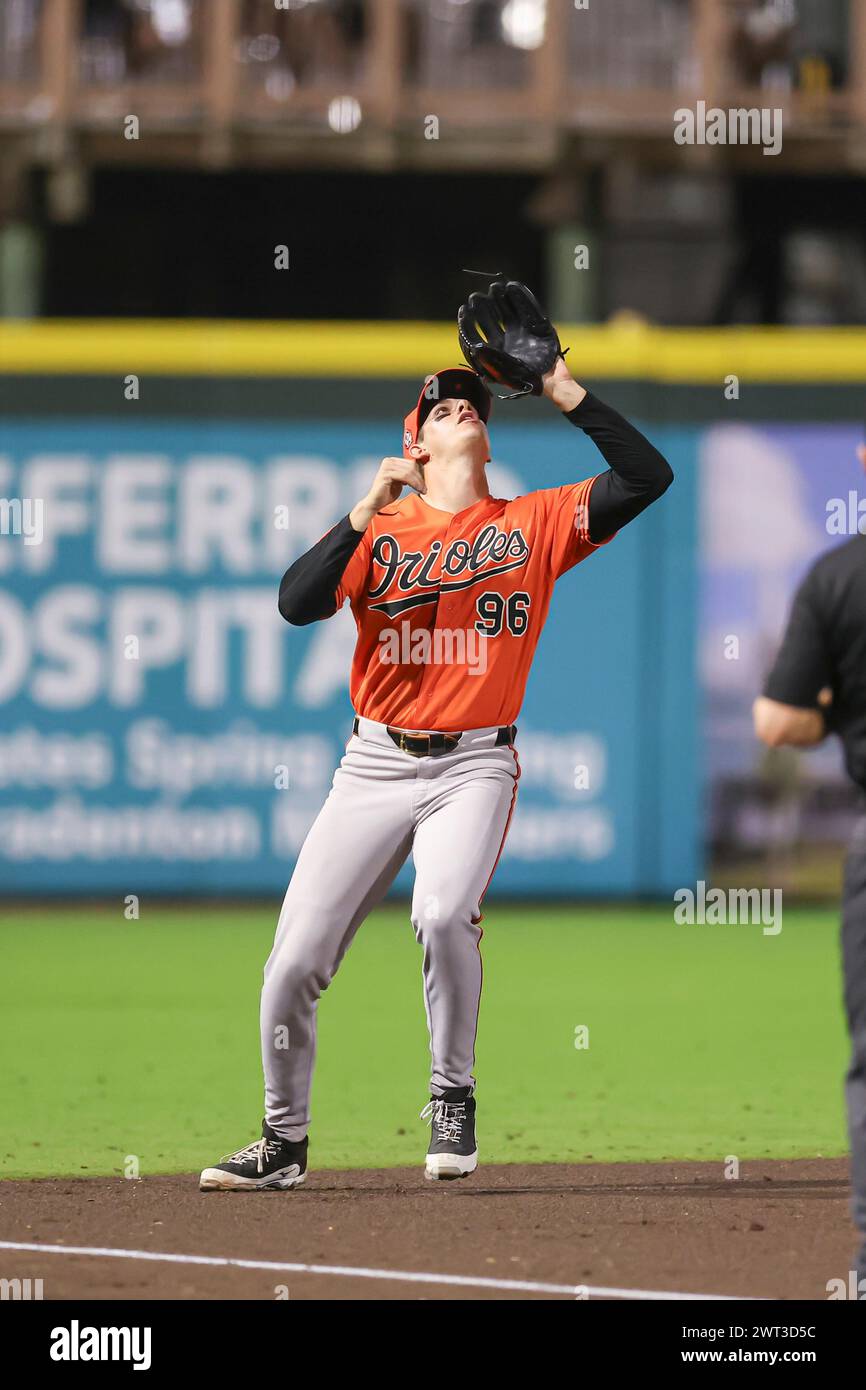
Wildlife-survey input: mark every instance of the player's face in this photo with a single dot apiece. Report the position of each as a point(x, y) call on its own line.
point(454, 427)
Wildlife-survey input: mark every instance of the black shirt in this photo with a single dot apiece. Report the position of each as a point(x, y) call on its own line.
point(825, 645)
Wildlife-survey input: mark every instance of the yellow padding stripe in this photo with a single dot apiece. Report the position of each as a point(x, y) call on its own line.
point(322, 349)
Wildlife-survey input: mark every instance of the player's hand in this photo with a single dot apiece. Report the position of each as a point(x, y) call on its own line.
point(393, 475)
point(559, 386)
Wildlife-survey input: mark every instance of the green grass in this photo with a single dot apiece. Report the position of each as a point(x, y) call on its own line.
point(141, 1038)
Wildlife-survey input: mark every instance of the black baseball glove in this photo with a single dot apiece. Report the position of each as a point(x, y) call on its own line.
point(507, 337)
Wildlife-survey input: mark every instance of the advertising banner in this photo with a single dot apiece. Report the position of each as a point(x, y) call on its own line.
point(163, 729)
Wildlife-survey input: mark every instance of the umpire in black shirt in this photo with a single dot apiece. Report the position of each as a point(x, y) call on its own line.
point(818, 686)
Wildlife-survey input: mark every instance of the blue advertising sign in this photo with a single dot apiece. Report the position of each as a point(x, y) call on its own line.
point(164, 730)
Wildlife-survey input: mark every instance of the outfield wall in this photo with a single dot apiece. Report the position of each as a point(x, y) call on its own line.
point(156, 773)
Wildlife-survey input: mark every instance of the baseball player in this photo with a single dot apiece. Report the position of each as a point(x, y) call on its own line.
point(450, 588)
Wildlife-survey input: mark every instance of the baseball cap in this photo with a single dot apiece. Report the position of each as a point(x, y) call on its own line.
point(450, 383)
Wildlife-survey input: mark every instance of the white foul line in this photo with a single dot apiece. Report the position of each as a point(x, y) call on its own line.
point(348, 1271)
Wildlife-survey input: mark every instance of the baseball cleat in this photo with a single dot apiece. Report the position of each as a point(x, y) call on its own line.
point(453, 1152)
point(271, 1163)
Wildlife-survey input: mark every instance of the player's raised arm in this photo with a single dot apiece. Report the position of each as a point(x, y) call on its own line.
point(309, 590)
point(509, 340)
point(638, 474)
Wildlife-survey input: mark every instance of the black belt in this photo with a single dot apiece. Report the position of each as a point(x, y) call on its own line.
point(421, 745)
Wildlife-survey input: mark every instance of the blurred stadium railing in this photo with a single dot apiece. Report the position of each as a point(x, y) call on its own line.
point(579, 103)
point(332, 66)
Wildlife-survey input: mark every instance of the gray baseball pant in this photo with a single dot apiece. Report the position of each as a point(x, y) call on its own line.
point(451, 811)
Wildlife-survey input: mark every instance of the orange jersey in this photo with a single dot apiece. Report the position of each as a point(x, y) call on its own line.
point(450, 607)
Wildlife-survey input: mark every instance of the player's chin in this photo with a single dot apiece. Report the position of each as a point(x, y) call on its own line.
point(474, 430)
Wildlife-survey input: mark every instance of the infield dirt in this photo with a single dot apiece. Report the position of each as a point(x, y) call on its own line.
point(781, 1230)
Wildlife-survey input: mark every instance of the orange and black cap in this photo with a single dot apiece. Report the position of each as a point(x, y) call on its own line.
point(449, 384)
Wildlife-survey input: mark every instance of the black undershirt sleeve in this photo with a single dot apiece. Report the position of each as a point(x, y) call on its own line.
point(803, 666)
point(638, 474)
point(308, 590)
